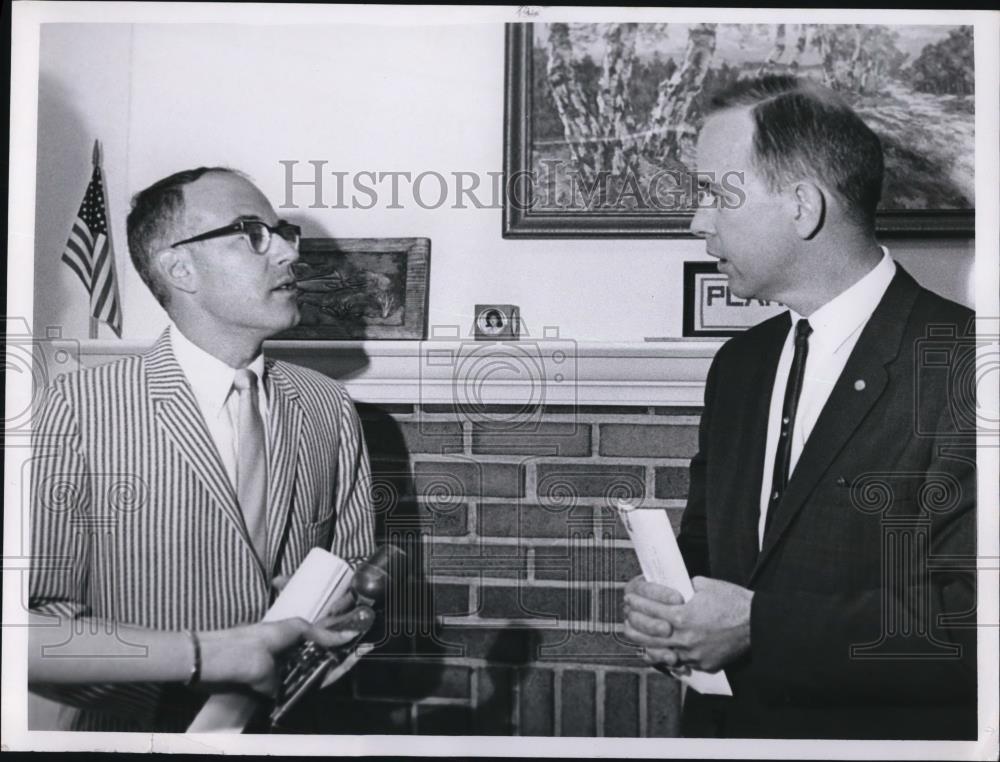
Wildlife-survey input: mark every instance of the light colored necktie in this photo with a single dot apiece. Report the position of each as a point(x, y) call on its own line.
point(251, 463)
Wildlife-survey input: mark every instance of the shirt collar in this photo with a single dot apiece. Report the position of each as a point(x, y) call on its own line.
point(210, 378)
point(839, 318)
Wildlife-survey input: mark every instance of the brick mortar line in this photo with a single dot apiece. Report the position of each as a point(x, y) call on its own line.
point(442, 569)
point(472, 517)
point(528, 623)
point(531, 480)
point(583, 501)
point(414, 702)
point(596, 609)
point(643, 714)
point(476, 664)
point(649, 484)
point(599, 703)
point(441, 700)
point(561, 417)
point(450, 575)
point(580, 422)
point(640, 460)
point(526, 458)
point(644, 412)
point(526, 540)
point(515, 720)
point(557, 703)
point(586, 501)
point(475, 600)
point(601, 534)
point(535, 583)
point(532, 542)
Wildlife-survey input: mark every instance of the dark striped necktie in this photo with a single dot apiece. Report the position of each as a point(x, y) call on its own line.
point(793, 390)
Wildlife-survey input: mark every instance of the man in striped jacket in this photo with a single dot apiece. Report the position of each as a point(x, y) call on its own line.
point(172, 489)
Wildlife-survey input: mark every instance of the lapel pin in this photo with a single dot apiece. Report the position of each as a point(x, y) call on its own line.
point(859, 385)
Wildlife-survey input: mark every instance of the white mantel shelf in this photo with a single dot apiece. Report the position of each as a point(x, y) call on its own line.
point(464, 372)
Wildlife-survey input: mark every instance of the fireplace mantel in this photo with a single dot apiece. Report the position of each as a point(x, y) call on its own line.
point(547, 371)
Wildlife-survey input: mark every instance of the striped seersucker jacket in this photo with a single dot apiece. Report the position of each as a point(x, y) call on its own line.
point(134, 520)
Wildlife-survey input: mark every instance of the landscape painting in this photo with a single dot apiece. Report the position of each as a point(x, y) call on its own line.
point(602, 119)
point(361, 288)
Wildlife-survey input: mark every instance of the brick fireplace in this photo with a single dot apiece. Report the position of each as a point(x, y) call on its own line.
point(497, 468)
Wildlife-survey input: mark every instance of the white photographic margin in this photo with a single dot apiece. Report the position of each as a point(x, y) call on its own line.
point(26, 20)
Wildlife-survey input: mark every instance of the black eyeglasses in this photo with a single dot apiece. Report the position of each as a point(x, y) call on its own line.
point(258, 234)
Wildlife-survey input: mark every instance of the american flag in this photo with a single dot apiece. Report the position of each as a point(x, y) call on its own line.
point(89, 254)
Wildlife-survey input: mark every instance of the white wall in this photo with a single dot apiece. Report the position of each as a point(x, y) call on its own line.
point(83, 92)
point(164, 98)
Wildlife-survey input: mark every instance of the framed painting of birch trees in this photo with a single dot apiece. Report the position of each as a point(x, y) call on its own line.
point(601, 120)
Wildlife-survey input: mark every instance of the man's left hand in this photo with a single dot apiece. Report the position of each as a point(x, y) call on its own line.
point(707, 633)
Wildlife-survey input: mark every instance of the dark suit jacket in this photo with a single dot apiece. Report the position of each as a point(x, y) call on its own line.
point(863, 619)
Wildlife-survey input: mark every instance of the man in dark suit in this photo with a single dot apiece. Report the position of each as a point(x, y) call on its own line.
point(173, 490)
point(830, 524)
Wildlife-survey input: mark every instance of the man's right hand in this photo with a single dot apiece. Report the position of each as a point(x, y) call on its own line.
point(708, 632)
point(650, 627)
point(248, 655)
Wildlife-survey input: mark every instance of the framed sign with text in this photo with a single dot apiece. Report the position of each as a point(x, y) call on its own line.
point(711, 309)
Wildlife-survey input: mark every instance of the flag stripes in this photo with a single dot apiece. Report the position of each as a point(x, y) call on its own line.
point(88, 253)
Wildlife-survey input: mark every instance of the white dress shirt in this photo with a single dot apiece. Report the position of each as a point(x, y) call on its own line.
point(836, 327)
point(211, 381)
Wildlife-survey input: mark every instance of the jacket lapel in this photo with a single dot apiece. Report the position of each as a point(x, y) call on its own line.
point(177, 414)
point(285, 439)
point(848, 404)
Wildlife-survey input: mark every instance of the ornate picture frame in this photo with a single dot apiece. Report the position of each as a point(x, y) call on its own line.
point(362, 288)
point(927, 169)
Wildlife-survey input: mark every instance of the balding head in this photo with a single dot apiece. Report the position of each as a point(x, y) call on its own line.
point(157, 213)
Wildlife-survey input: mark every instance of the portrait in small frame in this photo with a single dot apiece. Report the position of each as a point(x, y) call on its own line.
point(497, 322)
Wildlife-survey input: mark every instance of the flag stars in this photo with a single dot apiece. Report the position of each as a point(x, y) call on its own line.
point(88, 254)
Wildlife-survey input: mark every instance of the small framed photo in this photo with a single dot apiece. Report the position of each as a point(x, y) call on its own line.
point(497, 322)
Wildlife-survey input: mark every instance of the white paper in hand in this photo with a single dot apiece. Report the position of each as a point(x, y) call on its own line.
point(661, 562)
point(318, 581)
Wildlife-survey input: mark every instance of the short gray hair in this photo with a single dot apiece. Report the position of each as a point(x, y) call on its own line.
point(802, 129)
